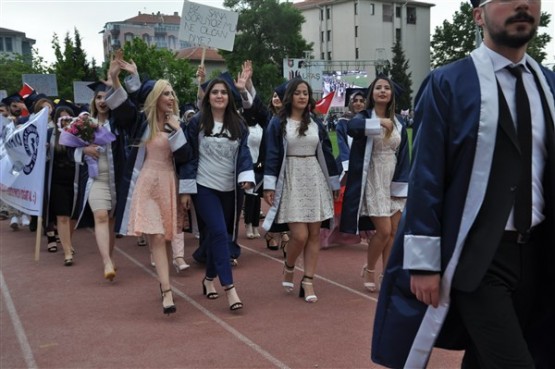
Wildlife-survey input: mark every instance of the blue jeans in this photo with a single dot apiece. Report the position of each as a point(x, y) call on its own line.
point(216, 210)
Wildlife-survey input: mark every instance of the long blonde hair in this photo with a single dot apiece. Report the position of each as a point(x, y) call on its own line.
point(150, 106)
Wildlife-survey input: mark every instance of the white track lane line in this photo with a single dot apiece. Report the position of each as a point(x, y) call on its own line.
point(18, 327)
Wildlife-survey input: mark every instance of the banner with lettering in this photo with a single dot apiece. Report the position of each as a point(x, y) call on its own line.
point(207, 26)
point(23, 163)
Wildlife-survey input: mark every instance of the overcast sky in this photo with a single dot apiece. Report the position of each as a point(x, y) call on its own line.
point(41, 19)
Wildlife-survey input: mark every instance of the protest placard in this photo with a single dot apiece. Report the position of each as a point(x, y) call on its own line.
point(207, 26)
point(82, 94)
point(42, 83)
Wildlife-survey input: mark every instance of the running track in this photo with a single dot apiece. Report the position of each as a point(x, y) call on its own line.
point(53, 316)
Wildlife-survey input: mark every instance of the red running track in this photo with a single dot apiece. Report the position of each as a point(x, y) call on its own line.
point(54, 316)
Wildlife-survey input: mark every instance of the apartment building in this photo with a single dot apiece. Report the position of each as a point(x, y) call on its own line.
point(15, 43)
point(362, 32)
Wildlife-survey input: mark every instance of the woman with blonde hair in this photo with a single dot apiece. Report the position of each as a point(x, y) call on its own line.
point(148, 200)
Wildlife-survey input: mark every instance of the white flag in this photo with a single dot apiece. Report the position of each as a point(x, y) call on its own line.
point(23, 164)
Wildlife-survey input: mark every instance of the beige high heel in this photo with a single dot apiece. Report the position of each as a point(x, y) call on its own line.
point(366, 273)
point(287, 282)
point(307, 290)
point(109, 272)
point(232, 298)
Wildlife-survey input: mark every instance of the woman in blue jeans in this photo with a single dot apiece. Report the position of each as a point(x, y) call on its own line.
point(219, 167)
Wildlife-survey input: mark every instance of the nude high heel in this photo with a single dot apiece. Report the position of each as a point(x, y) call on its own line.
point(366, 273)
point(287, 282)
point(307, 290)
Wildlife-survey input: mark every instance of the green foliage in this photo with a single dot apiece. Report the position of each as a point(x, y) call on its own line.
point(455, 40)
point(154, 63)
point(71, 64)
point(13, 67)
point(536, 47)
point(267, 32)
point(399, 73)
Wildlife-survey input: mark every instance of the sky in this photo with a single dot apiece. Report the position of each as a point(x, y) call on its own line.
point(41, 19)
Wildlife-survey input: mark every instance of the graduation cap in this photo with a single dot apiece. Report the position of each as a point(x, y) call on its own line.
point(475, 3)
point(144, 90)
point(350, 93)
point(226, 76)
point(280, 90)
point(12, 98)
point(67, 104)
point(33, 97)
point(98, 86)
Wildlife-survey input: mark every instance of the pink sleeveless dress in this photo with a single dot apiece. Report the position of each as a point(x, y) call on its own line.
point(154, 206)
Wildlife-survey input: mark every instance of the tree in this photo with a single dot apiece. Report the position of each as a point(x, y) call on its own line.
point(154, 63)
point(453, 40)
point(267, 32)
point(13, 67)
point(399, 73)
point(71, 64)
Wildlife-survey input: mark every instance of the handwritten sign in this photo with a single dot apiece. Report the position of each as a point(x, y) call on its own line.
point(82, 94)
point(42, 83)
point(208, 26)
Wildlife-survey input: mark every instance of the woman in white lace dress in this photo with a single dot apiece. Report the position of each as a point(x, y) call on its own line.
point(378, 171)
point(300, 180)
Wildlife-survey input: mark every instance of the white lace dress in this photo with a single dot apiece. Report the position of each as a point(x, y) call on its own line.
point(377, 200)
point(306, 196)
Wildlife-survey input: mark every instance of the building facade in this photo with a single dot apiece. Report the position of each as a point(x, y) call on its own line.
point(157, 29)
point(15, 43)
point(364, 31)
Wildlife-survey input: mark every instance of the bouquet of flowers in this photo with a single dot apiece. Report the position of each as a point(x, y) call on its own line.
point(83, 131)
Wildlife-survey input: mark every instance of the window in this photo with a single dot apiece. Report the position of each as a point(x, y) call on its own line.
point(8, 41)
point(328, 36)
point(356, 8)
point(1, 44)
point(397, 12)
point(321, 14)
point(356, 31)
point(146, 38)
point(128, 37)
point(329, 55)
point(171, 42)
point(411, 15)
point(322, 36)
point(322, 55)
point(398, 34)
point(356, 53)
point(328, 13)
point(387, 11)
point(372, 9)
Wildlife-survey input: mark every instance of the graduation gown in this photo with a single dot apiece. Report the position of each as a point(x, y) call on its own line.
point(458, 115)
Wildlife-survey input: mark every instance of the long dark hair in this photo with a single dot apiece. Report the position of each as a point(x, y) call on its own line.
point(287, 108)
point(233, 122)
point(370, 103)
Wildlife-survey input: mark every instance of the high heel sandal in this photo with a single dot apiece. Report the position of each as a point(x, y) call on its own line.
point(68, 261)
point(307, 290)
point(52, 244)
point(284, 242)
point(269, 244)
point(170, 309)
point(370, 286)
point(109, 272)
point(208, 288)
point(287, 283)
point(232, 298)
point(180, 266)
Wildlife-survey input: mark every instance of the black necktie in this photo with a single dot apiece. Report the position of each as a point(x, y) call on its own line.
point(523, 199)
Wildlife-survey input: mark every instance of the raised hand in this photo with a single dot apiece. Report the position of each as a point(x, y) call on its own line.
point(130, 67)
